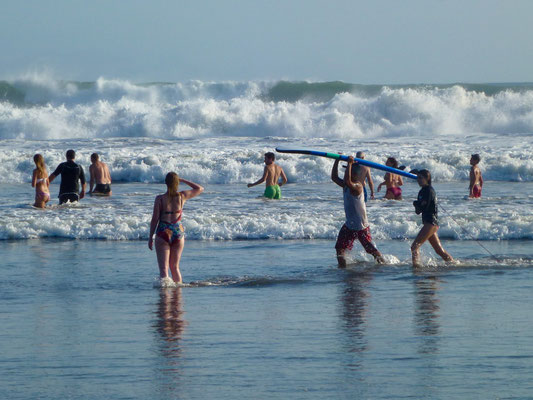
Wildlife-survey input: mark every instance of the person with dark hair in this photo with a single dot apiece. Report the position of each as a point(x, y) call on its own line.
point(476, 180)
point(356, 225)
point(99, 175)
point(271, 175)
point(426, 204)
point(71, 174)
point(166, 224)
point(392, 182)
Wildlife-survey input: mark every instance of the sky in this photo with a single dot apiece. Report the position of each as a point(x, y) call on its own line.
point(374, 41)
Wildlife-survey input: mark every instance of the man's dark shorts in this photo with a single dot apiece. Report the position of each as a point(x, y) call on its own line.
point(72, 197)
point(103, 188)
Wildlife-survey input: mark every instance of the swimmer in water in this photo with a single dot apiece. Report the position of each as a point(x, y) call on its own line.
point(40, 182)
point(392, 182)
point(476, 180)
point(426, 204)
point(271, 176)
point(71, 173)
point(100, 176)
point(166, 225)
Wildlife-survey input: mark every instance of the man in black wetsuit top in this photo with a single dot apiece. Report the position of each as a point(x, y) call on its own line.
point(71, 173)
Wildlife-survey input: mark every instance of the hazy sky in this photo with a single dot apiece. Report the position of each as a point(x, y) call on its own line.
point(374, 41)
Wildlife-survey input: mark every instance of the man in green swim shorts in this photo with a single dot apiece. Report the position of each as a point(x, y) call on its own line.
point(271, 176)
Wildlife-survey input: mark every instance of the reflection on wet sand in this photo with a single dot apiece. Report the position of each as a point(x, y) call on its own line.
point(354, 308)
point(169, 326)
point(170, 323)
point(427, 314)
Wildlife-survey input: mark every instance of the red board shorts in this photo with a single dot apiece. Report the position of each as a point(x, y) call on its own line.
point(476, 191)
point(347, 236)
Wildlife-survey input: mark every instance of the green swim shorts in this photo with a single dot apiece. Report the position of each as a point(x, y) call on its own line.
point(273, 192)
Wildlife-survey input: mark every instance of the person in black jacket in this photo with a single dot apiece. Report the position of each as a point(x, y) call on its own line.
point(426, 204)
point(71, 173)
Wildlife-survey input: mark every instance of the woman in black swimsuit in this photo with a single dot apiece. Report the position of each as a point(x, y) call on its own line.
point(426, 204)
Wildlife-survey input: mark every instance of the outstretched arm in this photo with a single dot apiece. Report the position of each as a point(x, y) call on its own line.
point(387, 179)
point(472, 182)
point(370, 184)
point(283, 177)
point(91, 182)
point(34, 178)
point(260, 180)
point(335, 174)
point(355, 187)
point(195, 191)
point(153, 224)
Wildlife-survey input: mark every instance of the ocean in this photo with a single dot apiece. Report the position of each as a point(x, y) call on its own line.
point(265, 312)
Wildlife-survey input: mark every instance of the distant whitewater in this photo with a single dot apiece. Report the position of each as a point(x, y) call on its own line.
point(40, 108)
point(216, 132)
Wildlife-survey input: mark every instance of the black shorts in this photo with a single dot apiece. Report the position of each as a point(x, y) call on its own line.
point(104, 188)
point(72, 197)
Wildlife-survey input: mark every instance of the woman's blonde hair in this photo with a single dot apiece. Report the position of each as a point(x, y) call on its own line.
point(173, 183)
point(38, 159)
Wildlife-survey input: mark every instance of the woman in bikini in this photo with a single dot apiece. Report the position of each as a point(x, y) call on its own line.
point(392, 181)
point(166, 224)
point(40, 182)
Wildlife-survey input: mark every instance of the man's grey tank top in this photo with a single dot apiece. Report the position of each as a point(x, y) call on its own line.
point(355, 210)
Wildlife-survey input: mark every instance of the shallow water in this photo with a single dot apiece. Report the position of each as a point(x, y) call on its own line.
point(265, 312)
point(86, 319)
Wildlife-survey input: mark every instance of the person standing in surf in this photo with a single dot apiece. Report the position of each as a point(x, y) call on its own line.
point(100, 176)
point(476, 180)
point(362, 174)
point(426, 204)
point(40, 182)
point(356, 225)
point(271, 176)
point(392, 181)
point(71, 173)
point(167, 226)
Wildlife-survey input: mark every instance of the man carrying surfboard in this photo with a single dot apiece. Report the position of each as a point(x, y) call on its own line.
point(356, 225)
point(271, 175)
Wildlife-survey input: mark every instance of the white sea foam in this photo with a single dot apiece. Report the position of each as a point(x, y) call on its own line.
point(234, 212)
point(216, 134)
point(114, 108)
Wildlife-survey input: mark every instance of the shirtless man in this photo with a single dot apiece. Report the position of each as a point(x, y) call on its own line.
point(271, 175)
point(476, 180)
point(99, 174)
point(362, 174)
